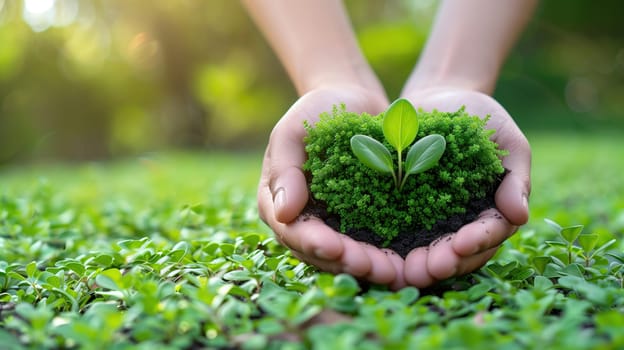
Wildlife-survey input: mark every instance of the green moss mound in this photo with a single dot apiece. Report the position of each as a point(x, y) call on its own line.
point(365, 199)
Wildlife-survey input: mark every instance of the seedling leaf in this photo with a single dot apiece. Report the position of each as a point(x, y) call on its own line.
point(570, 233)
point(605, 246)
point(425, 154)
point(555, 226)
point(540, 262)
point(588, 241)
point(400, 124)
point(110, 279)
point(372, 153)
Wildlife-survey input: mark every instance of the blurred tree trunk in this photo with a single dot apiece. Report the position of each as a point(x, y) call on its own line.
point(184, 115)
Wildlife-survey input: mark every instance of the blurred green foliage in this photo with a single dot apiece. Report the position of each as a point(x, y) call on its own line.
point(85, 79)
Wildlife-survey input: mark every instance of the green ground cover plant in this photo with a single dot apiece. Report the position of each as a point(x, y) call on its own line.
point(453, 163)
point(167, 252)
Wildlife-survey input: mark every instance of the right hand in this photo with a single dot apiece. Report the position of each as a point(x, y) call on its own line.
point(475, 243)
point(283, 193)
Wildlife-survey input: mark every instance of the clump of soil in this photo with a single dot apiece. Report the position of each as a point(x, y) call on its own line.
point(406, 241)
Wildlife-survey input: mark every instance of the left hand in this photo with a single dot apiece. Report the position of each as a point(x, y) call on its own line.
point(475, 243)
point(283, 192)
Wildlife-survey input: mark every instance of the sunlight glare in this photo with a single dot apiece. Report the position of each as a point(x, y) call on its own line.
point(39, 14)
point(38, 7)
point(43, 14)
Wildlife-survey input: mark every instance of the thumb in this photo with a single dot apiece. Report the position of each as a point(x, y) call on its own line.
point(287, 182)
point(512, 195)
point(289, 191)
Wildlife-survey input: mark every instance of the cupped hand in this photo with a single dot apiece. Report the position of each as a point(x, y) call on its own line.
point(475, 243)
point(283, 193)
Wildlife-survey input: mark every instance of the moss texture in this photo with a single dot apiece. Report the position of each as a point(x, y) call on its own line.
point(366, 199)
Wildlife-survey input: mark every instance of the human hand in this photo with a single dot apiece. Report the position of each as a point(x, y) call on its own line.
point(475, 243)
point(283, 193)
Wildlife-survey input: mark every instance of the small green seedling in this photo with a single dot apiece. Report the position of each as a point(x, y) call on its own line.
point(400, 127)
point(577, 243)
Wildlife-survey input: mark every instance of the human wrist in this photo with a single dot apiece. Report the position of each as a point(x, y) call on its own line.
point(439, 77)
point(468, 44)
point(351, 72)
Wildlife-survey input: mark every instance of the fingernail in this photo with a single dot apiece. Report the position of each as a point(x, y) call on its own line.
point(525, 201)
point(279, 199)
point(319, 253)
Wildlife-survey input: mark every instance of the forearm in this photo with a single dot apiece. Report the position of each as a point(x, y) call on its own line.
point(314, 41)
point(469, 43)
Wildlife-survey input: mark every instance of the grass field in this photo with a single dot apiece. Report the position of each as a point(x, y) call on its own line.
point(166, 251)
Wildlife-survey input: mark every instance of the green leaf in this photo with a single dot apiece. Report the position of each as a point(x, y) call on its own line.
point(617, 257)
point(372, 153)
point(478, 290)
point(400, 124)
point(55, 281)
point(588, 241)
point(346, 285)
point(31, 269)
point(570, 233)
point(555, 226)
point(5, 298)
point(540, 262)
point(592, 292)
point(425, 154)
point(9, 341)
point(104, 259)
point(237, 275)
point(110, 279)
point(556, 244)
point(408, 295)
point(605, 246)
point(542, 283)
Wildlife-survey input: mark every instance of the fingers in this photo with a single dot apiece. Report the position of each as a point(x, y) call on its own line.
point(362, 261)
point(427, 265)
point(416, 272)
point(308, 235)
point(382, 269)
point(313, 238)
point(490, 230)
point(289, 192)
point(513, 193)
point(316, 243)
point(399, 268)
point(286, 180)
point(463, 252)
point(443, 262)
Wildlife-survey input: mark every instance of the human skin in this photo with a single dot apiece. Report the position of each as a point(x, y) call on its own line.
point(317, 46)
point(459, 67)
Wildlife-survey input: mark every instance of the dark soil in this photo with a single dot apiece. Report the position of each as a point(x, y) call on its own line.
point(404, 242)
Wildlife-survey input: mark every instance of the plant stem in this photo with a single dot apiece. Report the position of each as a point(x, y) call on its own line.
point(403, 182)
point(399, 182)
point(396, 182)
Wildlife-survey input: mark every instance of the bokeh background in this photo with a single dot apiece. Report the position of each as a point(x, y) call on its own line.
point(98, 79)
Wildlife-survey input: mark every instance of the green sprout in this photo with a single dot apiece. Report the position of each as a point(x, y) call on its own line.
point(400, 127)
